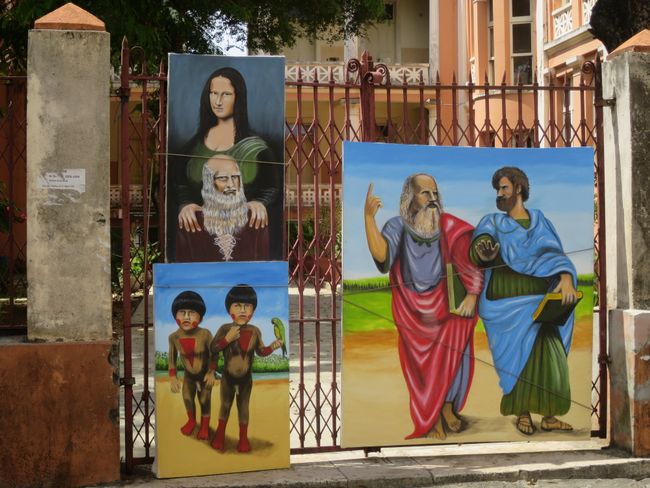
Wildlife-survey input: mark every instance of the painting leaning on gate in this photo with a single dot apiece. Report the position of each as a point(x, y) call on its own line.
point(222, 368)
point(225, 141)
point(467, 294)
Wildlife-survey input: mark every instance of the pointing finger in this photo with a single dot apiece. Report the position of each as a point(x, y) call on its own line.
point(370, 189)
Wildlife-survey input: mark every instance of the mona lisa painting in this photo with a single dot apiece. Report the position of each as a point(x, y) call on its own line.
point(224, 158)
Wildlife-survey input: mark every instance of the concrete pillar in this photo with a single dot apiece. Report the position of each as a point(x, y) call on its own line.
point(60, 415)
point(626, 82)
point(351, 48)
point(68, 162)
point(434, 39)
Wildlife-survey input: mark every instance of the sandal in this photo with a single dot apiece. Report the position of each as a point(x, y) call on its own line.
point(525, 424)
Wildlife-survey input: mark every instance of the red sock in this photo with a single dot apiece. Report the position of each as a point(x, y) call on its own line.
point(203, 433)
point(220, 436)
point(244, 445)
point(188, 428)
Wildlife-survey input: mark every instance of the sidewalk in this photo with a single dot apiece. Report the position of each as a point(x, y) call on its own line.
point(480, 465)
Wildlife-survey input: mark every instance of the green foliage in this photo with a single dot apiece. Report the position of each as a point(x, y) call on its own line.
point(324, 229)
point(197, 26)
point(273, 363)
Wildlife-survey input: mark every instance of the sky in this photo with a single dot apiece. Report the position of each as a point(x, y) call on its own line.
point(561, 186)
point(213, 281)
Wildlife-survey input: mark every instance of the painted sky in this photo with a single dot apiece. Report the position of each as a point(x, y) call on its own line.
point(213, 281)
point(561, 186)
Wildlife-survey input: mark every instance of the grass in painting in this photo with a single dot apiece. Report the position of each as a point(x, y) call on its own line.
point(367, 304)
point(273, 363)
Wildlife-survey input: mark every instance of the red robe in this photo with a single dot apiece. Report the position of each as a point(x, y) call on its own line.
point(197, 247)
point(431, 340)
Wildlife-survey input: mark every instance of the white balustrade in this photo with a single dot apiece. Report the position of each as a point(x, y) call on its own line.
point(587, 7)
point(320, 73)
point(562, 21)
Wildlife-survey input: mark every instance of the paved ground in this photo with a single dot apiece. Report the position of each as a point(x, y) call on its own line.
point(548, 465)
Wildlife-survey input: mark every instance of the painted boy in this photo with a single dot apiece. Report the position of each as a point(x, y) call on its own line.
point(193, 344)
point(239, 341)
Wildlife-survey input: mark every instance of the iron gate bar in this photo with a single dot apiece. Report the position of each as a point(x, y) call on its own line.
point(125, 93)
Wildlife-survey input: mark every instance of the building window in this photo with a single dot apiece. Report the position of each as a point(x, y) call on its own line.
point(521, 24)
point(490, 16)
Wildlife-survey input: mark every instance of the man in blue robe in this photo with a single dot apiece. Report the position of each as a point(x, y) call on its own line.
point(523, 258)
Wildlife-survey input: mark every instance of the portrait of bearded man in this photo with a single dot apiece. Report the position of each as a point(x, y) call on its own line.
point(436, 348)
point(227, 231)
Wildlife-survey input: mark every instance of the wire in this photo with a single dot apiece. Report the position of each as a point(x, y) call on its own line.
point(239, 160)
point(451, 348)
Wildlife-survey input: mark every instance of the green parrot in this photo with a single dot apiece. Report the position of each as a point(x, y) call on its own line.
point(278, 330)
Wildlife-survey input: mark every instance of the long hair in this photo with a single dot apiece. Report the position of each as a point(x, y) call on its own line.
point(407, 195)
point(207, 118)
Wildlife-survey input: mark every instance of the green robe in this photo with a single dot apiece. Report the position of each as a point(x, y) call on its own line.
point(543, 385)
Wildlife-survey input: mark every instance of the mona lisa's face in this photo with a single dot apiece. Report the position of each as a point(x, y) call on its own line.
point(222, 97)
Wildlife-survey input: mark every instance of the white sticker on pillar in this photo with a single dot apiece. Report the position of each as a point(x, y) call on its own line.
point(67, 179)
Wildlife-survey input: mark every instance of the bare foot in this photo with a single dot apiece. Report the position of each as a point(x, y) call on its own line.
point(552, 423)
point(453, 422)
point(438, 431)
point(525, 424)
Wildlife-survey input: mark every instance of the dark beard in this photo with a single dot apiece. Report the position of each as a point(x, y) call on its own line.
point(506, 204)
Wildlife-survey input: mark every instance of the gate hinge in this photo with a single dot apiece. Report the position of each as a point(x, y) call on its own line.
point(604, 359)
point(606, 102)
point(127, 381)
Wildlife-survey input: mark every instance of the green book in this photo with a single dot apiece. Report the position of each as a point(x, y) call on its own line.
point(551, 311)
point(455, 289)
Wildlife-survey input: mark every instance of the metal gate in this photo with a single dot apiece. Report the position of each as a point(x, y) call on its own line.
point(326, 105)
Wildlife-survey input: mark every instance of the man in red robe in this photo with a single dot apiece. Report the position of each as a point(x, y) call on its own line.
point(435, 344)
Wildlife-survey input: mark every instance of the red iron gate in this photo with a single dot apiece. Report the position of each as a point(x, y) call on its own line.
point(359, 101)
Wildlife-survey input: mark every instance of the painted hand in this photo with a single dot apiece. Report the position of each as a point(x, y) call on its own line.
point(566, 288)
point(209, 379)
point(487, 250)
point(232, 334)
point(276, 344)
point(467, 306)
point(373, 203)
point(187, 218)
point(259, 217)
point(175, 384)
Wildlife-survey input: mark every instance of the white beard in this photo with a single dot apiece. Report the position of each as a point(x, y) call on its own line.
point(424, 222)
point(222, 214)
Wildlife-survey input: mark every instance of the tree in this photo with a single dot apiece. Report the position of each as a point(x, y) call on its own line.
point(195, 26)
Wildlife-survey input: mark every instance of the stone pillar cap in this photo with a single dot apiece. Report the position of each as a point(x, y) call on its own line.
point(70, 17)
point(638, 43)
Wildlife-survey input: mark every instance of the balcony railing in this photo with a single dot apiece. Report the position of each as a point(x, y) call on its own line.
point(321, 72)
point(587, 6)
point(562, 21)
point(308, 195)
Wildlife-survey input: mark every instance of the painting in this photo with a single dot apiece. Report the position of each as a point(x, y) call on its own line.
point(225, 153)
point(222, 368)
point(467, 294)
